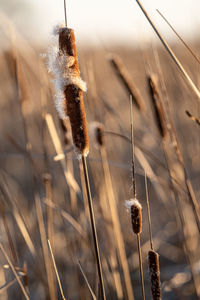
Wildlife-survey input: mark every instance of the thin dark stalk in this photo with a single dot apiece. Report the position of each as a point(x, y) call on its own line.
point(149, 214)
point(134, 193)
point(180, 38)
point(140, 263)
point(169, 50)
point(132, 145)
point(65, 11)
point(93, 225)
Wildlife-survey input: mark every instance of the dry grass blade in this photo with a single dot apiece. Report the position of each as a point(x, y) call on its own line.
point(116, 225)
point(48, 266)
point(56, 271)
point(86, 280)
point(67, 216)
point(57, 144)
point(93, 225)
point(7, 285)
point(15, 273)
point(169, 50)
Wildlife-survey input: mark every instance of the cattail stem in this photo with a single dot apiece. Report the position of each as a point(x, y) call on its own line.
point(93, 225)
point(136, 213)
point(149, 214)
point(132, 146)
point(140, 263)
point(65, 12)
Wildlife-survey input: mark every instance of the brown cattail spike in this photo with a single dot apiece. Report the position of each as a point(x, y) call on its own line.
point(136, 215)
point(99, 133)
point(73, 91)
point(127, 81)
point(157, 104)
point(76, 113)
point(154, 269)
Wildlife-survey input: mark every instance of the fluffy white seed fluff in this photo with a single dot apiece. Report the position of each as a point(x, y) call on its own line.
point(59, 65)
point(131, 202)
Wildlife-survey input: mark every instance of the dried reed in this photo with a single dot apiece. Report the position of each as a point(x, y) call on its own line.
point(126, 80)
point(111, 211)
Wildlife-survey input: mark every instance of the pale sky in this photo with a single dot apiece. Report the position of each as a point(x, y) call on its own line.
point(113, 20)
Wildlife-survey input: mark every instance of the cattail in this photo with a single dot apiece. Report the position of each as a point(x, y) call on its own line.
point(126, 79)
point(154, 269)
point(157, 104)
point(136, 215)
point(70, 88)
point(97, 130)
point(69, 102)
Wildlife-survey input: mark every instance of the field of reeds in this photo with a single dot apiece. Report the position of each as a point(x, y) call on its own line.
point(122, 222)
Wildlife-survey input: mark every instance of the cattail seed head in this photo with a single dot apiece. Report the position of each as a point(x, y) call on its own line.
point(97, 131)
point(154, 269)
point(135, 209)
point(126, 79)
point(70, 87)
point(157, 104)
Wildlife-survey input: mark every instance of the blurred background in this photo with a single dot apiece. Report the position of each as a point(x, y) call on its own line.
point(97, 22)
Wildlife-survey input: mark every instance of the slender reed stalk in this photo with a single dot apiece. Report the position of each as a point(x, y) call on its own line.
point(48, 265)
point(169, 50)
point(180, 38)
point(87, 282)
point(149, 214)
point(111, 211)
point(48, 197)
point(135, 207)
point(56, 270)
point(93, 225)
